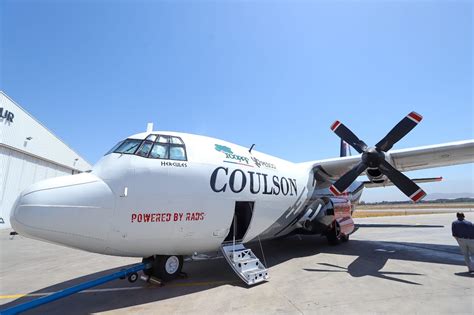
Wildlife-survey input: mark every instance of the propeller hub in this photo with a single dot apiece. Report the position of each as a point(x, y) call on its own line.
point(373, 157)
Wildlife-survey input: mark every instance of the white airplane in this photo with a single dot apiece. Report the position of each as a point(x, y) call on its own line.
point(165, 195)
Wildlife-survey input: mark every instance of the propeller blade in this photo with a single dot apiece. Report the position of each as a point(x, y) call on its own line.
point(406, 185)
point(348, 136)
point(399, 131)
point(347, 179)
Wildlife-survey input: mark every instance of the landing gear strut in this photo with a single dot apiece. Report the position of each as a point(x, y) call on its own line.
point(164, 267)
point(334, 235)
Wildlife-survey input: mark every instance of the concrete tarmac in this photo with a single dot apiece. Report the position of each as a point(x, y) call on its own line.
point(392, 265)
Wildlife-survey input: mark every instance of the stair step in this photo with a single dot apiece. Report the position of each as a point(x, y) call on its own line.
point(257, 276)
point(241, 254)
point(246, 260)
point(248, 264)
point(244, 263)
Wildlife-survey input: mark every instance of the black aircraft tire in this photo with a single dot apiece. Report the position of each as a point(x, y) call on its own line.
point(167, 267)
point(148, 260)
point(133, 277)
point(333, 235)
point(332, 239)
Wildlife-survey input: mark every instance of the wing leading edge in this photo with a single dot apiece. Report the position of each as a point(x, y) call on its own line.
point(446, 154)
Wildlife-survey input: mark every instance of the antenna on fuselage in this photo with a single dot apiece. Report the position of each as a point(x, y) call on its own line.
point(250, 150)
point(149, 127)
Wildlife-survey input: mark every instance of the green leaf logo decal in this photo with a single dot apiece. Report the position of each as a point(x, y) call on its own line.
point(223, 149)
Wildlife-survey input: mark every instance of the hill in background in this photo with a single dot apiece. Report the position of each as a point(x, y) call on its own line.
point(461, 200)
point(435, 196)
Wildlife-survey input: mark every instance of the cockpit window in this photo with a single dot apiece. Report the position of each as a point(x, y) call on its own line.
point(115, 147)
point(154, 147)
point(151, 138)
point(163, 139)
point(145, 148)
point(128, 146)
point(177, 153)
point(168, 147)
point(176, 140)
point(159, 151)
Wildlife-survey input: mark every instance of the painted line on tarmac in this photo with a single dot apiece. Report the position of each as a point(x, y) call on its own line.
point(16, 296)
point(12, 296)
point(175, 285)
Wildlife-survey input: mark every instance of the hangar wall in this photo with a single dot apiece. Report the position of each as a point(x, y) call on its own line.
point(29, 153)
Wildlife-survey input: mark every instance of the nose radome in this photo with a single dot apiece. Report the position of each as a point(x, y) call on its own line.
point(72, 210)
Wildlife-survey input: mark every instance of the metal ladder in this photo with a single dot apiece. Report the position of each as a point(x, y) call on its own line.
point(244, 263)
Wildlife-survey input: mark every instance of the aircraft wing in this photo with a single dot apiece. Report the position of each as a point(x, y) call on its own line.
point(369, 184)
point(452, 153)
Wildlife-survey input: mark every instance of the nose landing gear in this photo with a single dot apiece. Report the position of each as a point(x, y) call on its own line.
point(164, 267)
point(132, 277)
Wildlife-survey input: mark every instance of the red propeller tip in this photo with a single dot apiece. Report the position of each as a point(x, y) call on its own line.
point(415, 117)
point(336, 124)
point(335, 191)
point(418, 195)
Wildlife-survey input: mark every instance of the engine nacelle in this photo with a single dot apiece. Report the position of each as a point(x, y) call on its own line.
point(323, 213)
point(316, 214)
point(375, 175)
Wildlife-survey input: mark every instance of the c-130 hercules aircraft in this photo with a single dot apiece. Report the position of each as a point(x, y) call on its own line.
point(165, 195)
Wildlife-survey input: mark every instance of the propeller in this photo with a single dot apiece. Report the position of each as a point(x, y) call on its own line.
point(374, 157)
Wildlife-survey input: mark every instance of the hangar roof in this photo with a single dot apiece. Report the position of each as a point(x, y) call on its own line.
point(20, 131)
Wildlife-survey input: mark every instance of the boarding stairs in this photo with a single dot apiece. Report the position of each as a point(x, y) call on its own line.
point(245, 264)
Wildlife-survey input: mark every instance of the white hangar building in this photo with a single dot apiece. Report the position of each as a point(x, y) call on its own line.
point(29, 152)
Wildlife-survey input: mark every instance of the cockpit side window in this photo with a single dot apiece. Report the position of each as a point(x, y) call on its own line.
point(159, 151)
point(177, 153)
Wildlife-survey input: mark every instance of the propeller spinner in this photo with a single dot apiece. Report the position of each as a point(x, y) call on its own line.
point(374, 157)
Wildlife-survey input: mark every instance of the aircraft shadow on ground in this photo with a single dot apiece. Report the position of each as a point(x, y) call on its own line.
point(465, 274)
point(371, 257)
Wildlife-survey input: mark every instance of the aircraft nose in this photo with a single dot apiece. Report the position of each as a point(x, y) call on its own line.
point(72, 210)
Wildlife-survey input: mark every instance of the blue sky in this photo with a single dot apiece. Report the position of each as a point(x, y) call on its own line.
point(274, 73)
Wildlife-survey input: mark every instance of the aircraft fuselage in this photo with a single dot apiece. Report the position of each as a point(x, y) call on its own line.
point(133, 205)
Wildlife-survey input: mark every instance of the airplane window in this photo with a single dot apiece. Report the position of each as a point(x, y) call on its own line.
point(114, 147)
point(177, 153)
point(145, 148)
point(176, 140)
point(163, 139)
point(154, 146)
point(151, 138)
point(128, 146)
point(159, 151)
